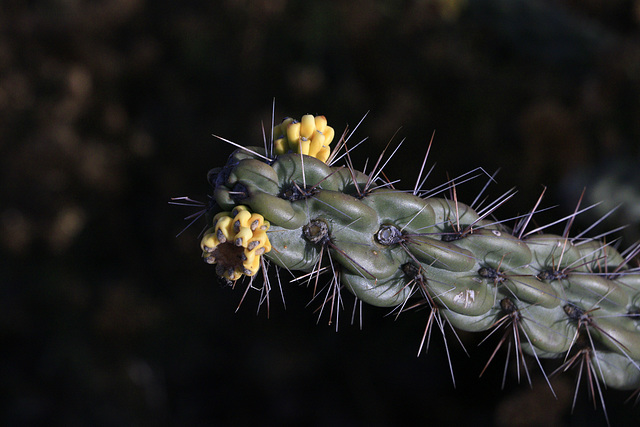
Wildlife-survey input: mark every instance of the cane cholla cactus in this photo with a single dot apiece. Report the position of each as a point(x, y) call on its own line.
point(297, 205)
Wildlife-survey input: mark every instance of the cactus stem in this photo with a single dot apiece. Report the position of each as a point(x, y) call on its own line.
point(553, 295)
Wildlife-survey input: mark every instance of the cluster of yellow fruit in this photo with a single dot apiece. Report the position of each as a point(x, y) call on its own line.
point(310, 136)
point(235, 242)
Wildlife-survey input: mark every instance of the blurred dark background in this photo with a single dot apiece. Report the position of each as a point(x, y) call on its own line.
point(106, 112)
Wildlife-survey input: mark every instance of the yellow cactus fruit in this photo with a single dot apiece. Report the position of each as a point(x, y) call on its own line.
point(293, 133)
point(321, 123)
point(235, 243)
point(307, 126)
point(310, 136)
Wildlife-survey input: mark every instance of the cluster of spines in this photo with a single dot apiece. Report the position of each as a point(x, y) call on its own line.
point(474, 274)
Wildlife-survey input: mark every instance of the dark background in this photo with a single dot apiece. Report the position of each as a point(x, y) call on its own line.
point(107, 110)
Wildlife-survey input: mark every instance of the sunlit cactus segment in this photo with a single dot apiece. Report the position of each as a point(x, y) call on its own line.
point(575, 300)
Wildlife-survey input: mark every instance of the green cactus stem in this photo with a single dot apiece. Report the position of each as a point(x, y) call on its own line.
point(572, 299)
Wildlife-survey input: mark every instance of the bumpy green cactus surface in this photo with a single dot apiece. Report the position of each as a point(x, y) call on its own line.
point(570, 298)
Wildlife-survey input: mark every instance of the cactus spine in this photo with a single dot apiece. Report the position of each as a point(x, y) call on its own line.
point(567, 297)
